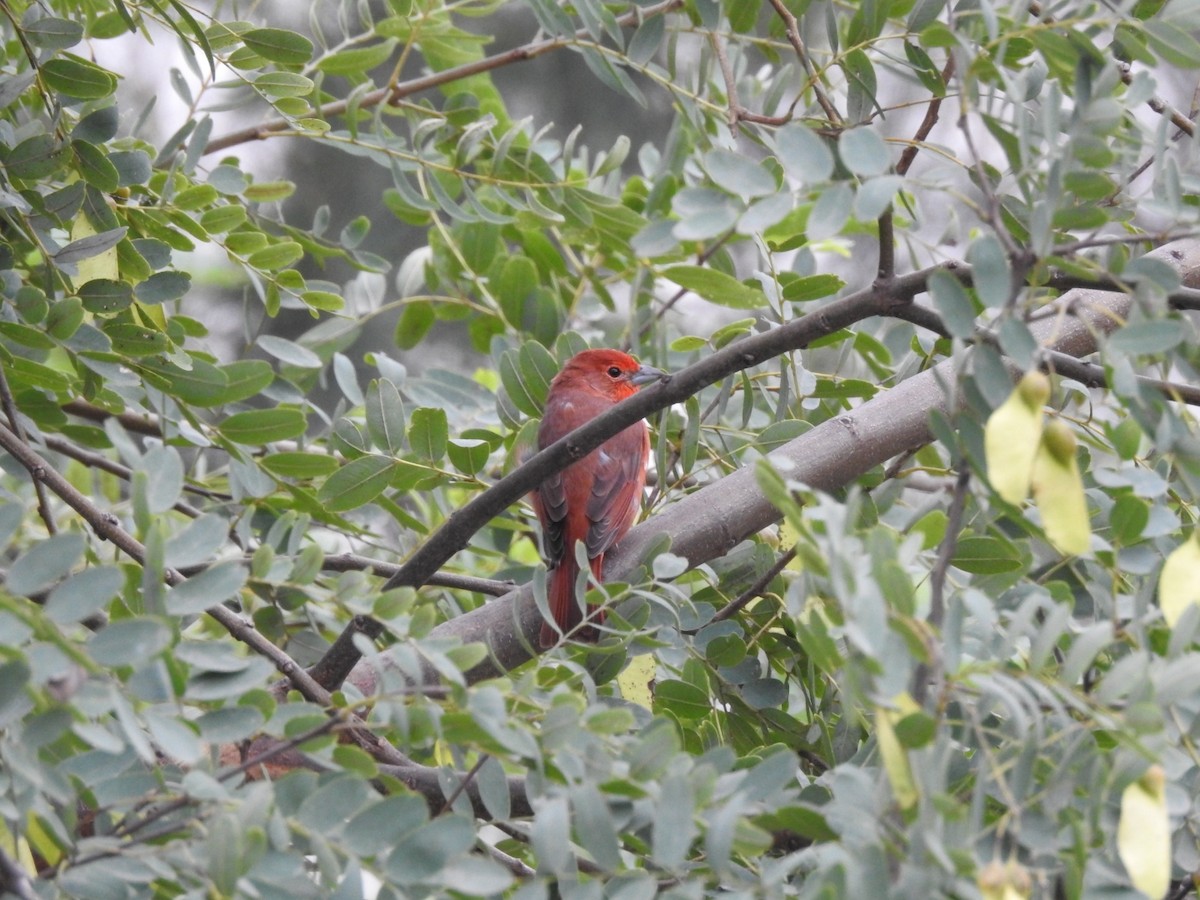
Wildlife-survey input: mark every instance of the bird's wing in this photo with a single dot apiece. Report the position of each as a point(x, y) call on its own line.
point(619, 476)
point(550, 500)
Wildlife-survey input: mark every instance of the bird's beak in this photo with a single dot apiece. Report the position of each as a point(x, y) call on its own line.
point(646, 375)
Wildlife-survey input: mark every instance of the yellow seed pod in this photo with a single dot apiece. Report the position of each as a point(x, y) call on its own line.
point(1012, 435)
point(1144, 833)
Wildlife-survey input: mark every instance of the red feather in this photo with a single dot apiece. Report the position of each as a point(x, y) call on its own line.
point(596, 499)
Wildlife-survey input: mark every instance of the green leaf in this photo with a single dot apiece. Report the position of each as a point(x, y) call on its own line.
point(246, 378)
point(805, 154)
point(94, 166)
point(289, 352)
point(703, 214)
point(84, 594)
point(357, 61)
point(414, 323)
point(44, 563)
point(103, 296)
point(594, 824)
point(526, 375)
point(468, 455)
point(88, 247)
point(135, 340)
point(262, 426)
point(283, 84)
point(864, 152)
point(424, 852)
point(14, 675)
point(427, 433)
point(986, 556)
point(164, 478)
point(673, 828)
point(50, 33)
point(279, 46)
point(684, 700)
point(356, 483)
point(129, 642)
point(811, 287)
point(953, 303)
point(214, 585)
point(269, 191)
point(1147, 337)
point(385, 415)
point(380, 826)
point(738, 174)
point(300, 465)
point(716, 287)
point(276, 256)
point(163, 287)
point(75, 77)
point(197, 543)
point(992, 276)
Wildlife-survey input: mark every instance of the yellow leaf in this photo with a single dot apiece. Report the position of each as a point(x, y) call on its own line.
point(42, 839)
point(1144, 834)
point(1058, 491)
point(895, 757)
point(1004, 881)
point(1179, 584)
point(1011, 437)
point(102, 265)
point(16, 847)
point(789, 537)
point(635, 681)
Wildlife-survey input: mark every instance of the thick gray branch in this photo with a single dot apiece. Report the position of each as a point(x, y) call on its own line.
point(708, 523)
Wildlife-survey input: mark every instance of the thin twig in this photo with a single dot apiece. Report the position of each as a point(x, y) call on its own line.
point(937, 578)
point(1085, 373)
point(792, 27)
point(134, 422)
point(14, 422)
point(886, 270)
point(887, 240)
point(351, 562)
point(464, 782)
point(756, 589)
point(932, 112)
point(94, 460)
point(461, 525)
point(13, 878)
point(108, 527)
point(394, 93)
point(931, 671)
point(514, 865)
point(343, 654)
point(735, 106)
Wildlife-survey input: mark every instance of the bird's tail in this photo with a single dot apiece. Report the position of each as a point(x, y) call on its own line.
point(565, 609)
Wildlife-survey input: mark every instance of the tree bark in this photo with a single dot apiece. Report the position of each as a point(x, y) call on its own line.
point(707, 524)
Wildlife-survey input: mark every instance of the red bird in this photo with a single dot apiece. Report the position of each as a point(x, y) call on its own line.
point(596, 499)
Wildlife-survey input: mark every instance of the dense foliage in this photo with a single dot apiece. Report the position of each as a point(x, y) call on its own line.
point(921, 649)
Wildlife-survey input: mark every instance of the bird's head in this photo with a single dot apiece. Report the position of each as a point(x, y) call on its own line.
point(609, 372)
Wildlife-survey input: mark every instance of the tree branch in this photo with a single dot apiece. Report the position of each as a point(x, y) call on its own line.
point(708, 523)
point(461, 525)
point(352, 562)
point(108, 527)
point(792, 27)
point(393, 93)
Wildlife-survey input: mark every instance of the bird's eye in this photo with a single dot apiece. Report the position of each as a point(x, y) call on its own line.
point(614, 372)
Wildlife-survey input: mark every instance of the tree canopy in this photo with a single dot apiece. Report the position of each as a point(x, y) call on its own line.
point(915, 604)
